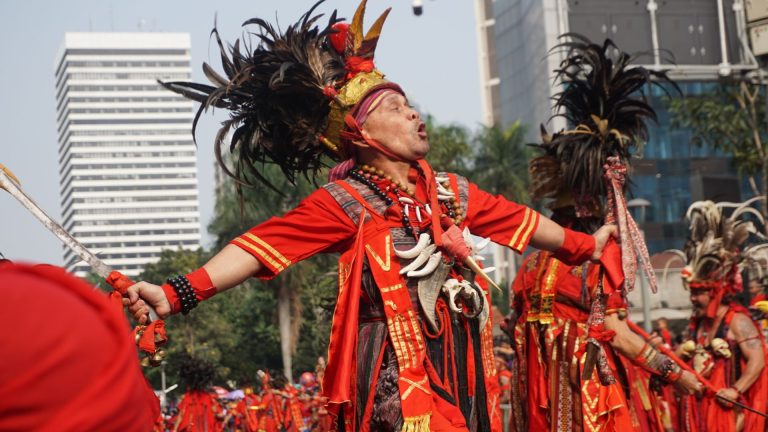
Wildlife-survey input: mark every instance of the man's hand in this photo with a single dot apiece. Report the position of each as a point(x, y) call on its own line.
point(728, 393)
point(602, 236)
point(142, 292)
point(655, 341)
point(688, 384)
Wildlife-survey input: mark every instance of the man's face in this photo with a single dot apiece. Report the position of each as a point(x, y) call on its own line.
point(700, 300)
point(398, 127)
point(755, 288)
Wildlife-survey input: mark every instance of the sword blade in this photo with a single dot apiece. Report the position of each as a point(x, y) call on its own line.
point(98, 266)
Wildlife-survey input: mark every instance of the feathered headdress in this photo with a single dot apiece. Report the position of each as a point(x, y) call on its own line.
point(195, 373)
point(602, 100)
point(289, 96)
point(586, 167)
point(716, 252)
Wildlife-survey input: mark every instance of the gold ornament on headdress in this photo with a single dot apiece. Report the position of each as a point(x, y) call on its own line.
point(363, 46)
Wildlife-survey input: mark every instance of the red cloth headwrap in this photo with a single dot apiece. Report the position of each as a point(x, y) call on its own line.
point(69, 363)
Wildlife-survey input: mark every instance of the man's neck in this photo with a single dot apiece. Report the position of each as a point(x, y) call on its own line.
point(398, 170)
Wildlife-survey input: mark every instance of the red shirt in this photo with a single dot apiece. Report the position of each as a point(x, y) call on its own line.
point(318, 224)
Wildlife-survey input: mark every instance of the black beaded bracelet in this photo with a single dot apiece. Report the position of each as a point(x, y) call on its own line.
point(186, 294)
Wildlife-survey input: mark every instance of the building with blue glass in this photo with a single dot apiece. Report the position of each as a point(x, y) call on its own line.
point(697, 41)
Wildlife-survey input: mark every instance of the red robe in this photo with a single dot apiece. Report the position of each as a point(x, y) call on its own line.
point(198, 411)
point(550, 338)
point(247, 412)
point(320, 224)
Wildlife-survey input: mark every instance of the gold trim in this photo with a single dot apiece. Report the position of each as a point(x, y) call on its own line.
point(548, 293)
point(521, 227)
point(385, 265)
point(348, 96)
point(528, 231)
point(402, 325)
point(413, 385)
point(391, 288)
point(416, 329)
point(395, 343)
point(261, 253)
point(269, 248)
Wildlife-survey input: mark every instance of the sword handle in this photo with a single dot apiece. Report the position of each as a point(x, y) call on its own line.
point(121, 283)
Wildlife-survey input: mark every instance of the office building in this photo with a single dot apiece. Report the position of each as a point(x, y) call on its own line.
point(127, 162)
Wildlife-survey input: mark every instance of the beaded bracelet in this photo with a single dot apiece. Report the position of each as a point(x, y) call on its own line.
point(184, 291)
point(658, 364)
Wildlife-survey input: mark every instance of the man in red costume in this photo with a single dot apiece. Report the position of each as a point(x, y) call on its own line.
point(69, 362)
point(411, 344)
point(663, 331)
point(570, 328)
point(247, 411)
point(199, 410)
point(726, 345)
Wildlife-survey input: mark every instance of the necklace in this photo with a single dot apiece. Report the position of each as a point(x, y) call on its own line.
point(396, 191)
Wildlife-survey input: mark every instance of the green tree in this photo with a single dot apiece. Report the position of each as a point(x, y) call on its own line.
point(501, 167)
point(449, 147)
point(501, 161)
point(282, 308)
point(732, 118)
point(207, 332)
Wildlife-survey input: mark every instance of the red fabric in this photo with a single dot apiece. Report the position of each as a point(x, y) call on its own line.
point(172, 297)
point(286, 240)
point(666, 336)
point(341, 371)
point(339, 38)
point(248, 413)
point(356, 65)
point(610, 260)
point(454, 244)
point(608, 406)
point(119, 282)
point(339, 171)
point(152, 336)
point(708, 414)
point(283, 241)
point(201, 284)
point(74, 365)
point(577, 247)
point(198, 412)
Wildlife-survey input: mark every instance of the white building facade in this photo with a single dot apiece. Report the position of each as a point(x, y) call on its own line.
point(127, 162)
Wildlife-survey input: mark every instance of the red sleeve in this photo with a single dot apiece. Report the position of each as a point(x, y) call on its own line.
point(316, 225)
point(504, 221)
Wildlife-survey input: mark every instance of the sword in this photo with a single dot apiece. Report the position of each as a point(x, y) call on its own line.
point(117, 280)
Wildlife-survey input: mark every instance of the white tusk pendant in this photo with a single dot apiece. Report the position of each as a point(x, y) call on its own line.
point(434, 260)
point(413, 252)
point(420, 260)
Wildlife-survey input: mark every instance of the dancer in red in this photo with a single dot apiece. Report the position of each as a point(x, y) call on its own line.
point(247, 411)
point(571, 333)
point(411, 342)
point(726, 345)
point(199, 411)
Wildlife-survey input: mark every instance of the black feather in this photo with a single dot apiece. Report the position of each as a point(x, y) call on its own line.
point(274, 93)
point(610, 88)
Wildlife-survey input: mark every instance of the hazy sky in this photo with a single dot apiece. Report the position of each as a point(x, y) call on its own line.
point(434, 57)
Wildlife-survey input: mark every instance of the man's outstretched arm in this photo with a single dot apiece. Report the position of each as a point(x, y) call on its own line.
point(228, 268)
